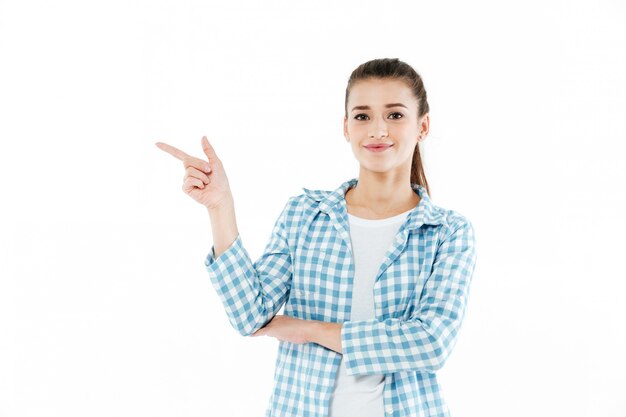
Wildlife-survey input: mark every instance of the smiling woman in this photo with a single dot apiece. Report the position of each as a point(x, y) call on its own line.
point(373, 275)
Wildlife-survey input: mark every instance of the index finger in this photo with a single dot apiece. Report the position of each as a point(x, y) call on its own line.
point(175, 152)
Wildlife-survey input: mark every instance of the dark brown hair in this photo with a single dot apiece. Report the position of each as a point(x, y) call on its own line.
point(393, 68)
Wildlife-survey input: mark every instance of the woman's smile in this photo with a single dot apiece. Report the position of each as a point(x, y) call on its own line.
point(377, 148)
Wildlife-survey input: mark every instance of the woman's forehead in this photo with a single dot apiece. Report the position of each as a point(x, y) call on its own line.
point(379, 94)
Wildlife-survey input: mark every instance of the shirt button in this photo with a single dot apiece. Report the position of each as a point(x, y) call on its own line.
point(389, 410)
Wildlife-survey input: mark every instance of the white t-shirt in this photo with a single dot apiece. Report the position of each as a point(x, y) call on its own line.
point(362, 395)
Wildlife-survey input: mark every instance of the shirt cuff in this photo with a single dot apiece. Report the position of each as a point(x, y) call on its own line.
point(228, 262)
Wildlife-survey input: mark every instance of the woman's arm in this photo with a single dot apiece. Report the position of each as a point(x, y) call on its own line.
point(251, 292)
point(324, 333)
point(425, 340)
point(223, 226)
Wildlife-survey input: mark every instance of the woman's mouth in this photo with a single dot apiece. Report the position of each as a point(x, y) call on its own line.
point(377, 148)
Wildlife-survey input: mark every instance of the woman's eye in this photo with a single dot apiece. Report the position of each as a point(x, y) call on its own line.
point(395, 118)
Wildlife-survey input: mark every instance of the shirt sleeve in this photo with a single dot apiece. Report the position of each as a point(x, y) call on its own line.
point(253, 292)
point(424, 341)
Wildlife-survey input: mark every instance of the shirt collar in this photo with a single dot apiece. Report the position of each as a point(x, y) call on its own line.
point(424, 213)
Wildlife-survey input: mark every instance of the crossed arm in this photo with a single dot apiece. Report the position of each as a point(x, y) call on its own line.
point(297, 330)
point(421, 342)
point(325, 334)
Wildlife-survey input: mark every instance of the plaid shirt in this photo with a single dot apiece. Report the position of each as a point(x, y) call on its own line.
point(420, 295)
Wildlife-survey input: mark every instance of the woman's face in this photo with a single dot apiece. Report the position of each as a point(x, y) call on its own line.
point(372, 122)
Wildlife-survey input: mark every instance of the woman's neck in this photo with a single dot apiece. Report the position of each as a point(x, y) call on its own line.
point(367, 204)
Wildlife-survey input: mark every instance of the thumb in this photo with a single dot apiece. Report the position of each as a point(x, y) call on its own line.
point(208, 149)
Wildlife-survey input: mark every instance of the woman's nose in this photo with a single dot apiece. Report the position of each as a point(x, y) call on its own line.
point(378, 129)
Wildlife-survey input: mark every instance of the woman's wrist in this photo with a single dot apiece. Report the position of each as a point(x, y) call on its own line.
point(323, 333)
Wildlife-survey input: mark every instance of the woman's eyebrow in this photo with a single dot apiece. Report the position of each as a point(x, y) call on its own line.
point(386, 106)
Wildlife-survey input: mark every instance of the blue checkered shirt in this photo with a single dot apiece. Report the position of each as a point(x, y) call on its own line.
point(420, 296)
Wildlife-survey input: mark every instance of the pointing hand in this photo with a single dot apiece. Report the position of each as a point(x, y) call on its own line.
point(205, 182)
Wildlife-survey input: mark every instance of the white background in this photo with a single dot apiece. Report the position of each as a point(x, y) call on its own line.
point(105, 304)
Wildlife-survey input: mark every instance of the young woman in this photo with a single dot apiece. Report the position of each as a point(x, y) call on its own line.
point(374, 278)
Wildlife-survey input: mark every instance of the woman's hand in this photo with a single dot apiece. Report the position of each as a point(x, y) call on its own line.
point(205, 182)
point(286, 328)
